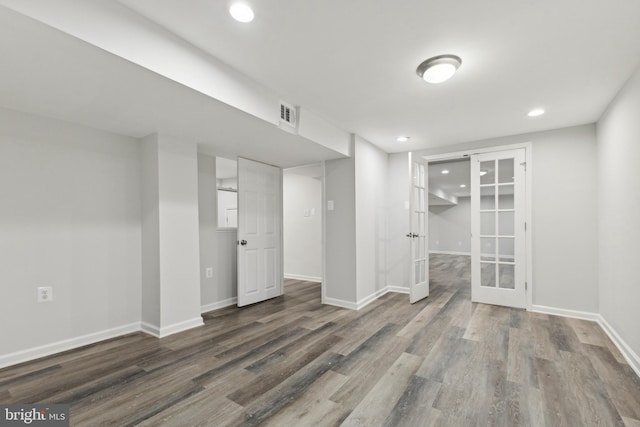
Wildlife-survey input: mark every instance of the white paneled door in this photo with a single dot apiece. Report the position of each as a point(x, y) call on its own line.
point(418, 204)
point(260, 274)
point(498, 247)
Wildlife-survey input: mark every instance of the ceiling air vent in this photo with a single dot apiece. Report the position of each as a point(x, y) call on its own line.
point(288, 114)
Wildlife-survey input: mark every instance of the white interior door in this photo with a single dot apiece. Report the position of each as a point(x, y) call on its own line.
point(498, 247)
point(260, 274)
point(418, 205)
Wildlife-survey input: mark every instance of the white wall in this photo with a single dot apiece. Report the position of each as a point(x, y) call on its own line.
point(371, 218)
point(69, 218)
point(450, 227)
point(217, 247)
point(618, 207)
point(398, 221)
point(302, 217)
point(177, 235)
point(340, 235)
point(564, 214)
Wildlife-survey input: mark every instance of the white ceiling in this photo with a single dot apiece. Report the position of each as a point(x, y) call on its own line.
point(50, 73)
point(354, 61)
point(350, 62)
point(459, 173)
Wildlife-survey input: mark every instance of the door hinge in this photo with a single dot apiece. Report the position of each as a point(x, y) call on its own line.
point(525, 226)
point(525, 165)
point(525, 286)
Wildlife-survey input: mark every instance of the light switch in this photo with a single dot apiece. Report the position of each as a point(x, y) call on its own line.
point(329, 205)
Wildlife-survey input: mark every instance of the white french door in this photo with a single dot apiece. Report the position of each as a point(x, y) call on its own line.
point(418, 220)
point(498, 247)
point(260, 274)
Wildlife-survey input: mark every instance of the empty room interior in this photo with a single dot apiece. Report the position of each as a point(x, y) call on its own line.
point(326, 213)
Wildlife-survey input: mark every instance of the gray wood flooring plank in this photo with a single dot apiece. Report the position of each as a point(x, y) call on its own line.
point(290, 361)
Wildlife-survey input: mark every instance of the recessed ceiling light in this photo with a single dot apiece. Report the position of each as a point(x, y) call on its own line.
point(536, 112)
point(463, 186)
point(445, 171)
point(403, 138)
point(439, 68)
point(483, 172)
point(241, 12)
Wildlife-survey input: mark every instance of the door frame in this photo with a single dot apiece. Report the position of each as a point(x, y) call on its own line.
point(452, 155)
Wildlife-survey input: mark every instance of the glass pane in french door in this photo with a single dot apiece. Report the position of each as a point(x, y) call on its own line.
point(497, 216)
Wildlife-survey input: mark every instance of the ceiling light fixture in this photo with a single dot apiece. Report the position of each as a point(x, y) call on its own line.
point(483, 172)
point(536, 112)
point(439, 68)
point(403, 138)
point(445, 171)
point(463, 186)
point(241, 12)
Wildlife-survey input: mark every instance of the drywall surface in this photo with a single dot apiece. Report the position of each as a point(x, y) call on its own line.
point(69, 219)
point(371, 218)
point(450, 227)
point(340, 234)
point(564, 214)
point(618, 174)
point(302, 217)
point(178, 241)
point(398, 249)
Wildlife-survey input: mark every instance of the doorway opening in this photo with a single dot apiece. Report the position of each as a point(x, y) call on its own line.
point(450, 225)
point(302, 230)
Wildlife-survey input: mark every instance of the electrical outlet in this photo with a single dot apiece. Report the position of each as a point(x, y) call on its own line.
point(208, 272)
point(45, 293)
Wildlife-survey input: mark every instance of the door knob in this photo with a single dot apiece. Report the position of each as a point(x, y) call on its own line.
point(243, 242)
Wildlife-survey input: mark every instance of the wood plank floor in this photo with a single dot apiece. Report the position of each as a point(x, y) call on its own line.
point(292, 362)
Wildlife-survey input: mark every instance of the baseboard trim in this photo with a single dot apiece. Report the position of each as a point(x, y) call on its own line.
point(584, 315)
point(398, 289)
point(171, 329)
point(374, 296)
point(630, 356)
point(64, 345)
point(450, 253)
point(218, 304)
point(302, 277)
point(340, 303)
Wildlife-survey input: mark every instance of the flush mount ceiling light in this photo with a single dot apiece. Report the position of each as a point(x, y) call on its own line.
point(241, 12)
point(536, 112)
point(403, 138)
point(445, 171)
point(439, 68)
point(463, 186)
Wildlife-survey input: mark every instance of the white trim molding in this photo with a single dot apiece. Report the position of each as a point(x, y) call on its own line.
point(367, 300)
point(171, 329)
point(340, 303)
point(68, 344)
point(303, 277)
point(218, 304)
point(630, 356)
point(584, 315)
point(374, 296)
point(398, 289)
point(450, 253)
